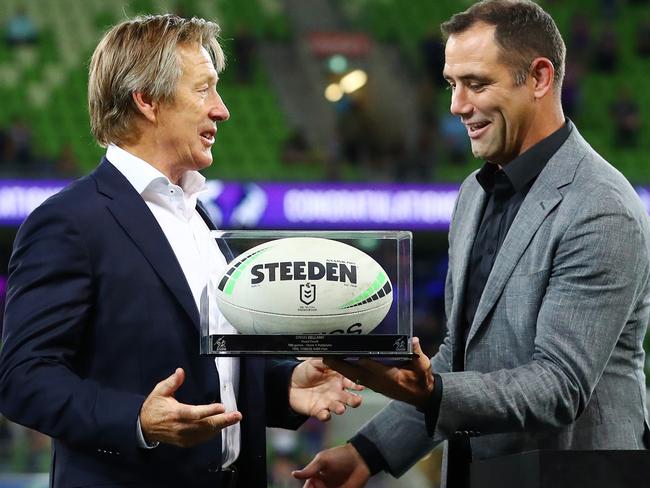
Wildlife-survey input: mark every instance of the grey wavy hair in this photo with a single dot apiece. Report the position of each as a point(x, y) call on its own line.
point(141, 55)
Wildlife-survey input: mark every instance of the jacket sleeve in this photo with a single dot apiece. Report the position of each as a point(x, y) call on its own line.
point(398, 421)
point(278, 380)
point(49, 311)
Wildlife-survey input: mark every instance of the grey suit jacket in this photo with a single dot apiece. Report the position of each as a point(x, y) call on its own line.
point(554, 357)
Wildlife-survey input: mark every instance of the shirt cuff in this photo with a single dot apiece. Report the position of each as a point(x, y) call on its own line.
point(369, 453)
point(432, 408)
point(142, 443)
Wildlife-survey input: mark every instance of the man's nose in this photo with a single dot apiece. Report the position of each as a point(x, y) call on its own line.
point(219, 112)
point(459, 103)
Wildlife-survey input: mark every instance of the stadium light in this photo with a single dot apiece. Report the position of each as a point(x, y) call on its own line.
point(337, 64)
point(353, 81)
point(333, 92)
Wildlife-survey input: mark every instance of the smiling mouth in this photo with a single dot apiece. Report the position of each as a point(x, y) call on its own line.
point(477, 129)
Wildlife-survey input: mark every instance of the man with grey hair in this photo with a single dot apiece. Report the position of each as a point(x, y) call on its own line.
point(101, 331)
point(548, 289)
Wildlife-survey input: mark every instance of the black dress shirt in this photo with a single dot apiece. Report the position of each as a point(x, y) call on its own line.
point(507, 188)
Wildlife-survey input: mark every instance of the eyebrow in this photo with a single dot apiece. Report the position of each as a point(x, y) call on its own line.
point(208, 79)
point(470, 77)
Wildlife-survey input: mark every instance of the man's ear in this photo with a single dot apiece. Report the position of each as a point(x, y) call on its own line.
point(147, 107)
point(542, 72)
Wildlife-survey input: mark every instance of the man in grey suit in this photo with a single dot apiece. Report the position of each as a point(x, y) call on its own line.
point(548, 288)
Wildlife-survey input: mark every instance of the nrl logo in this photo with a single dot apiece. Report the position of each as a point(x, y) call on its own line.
point(400, 345)
point(219, 344)
point(307, 293)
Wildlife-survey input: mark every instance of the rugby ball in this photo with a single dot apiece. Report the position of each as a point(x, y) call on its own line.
point(304, 285)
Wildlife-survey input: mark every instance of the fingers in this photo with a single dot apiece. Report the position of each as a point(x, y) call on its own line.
point(337, 408)
point(337, 405)
point(340, 466)
point(350, 371)
point(344, 399)
point(317, 363)
point(191, 433)
point(354, 400)
point(315, 483)
point(169, 385)
point(223, 420)
point(164, 419)
point(309, 471)
point(351, 385)
point(422, 362)
point(324, 415)
point(198, 412)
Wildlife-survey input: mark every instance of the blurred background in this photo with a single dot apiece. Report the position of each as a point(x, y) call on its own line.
point(339, 120)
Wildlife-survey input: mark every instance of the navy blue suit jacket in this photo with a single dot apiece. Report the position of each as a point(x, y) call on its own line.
point(98, 311)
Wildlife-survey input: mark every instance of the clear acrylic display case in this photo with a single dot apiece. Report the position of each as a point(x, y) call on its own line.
point(391, 338)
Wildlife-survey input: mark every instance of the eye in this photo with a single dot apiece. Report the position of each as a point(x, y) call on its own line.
point(203, 89)
point(450, 87)
point(477, 87)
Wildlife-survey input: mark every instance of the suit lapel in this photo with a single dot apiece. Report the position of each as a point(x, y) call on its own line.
point(468, 224)
point(204, 215)
point(223, 245)
point(537, 205)
point(543, 197)
point(132, 214)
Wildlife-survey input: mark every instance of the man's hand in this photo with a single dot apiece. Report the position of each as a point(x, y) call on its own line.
point(316, 390)
point(411, 383)
point(340, 466)
point(163, 419)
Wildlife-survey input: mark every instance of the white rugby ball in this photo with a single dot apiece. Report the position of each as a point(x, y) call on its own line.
point(304, 285)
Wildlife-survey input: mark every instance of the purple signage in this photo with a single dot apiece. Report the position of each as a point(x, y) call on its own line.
point(19, 197)
point(331, 206)
point(326, 206)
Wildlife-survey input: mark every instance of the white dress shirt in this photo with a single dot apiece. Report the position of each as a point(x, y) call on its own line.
point(174, 208)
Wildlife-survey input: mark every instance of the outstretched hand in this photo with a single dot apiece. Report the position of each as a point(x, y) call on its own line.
point(164, 419)
point(411, 383)
point(317, 390)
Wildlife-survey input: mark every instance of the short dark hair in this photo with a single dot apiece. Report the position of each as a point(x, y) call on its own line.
point(523, 31)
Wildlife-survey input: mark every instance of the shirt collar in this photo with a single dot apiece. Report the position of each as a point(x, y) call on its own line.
point(526, 167)
point(142, 174)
